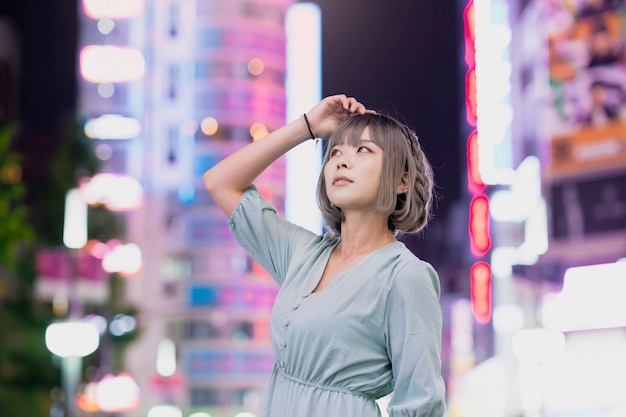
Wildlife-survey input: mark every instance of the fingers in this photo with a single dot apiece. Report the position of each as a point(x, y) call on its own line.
point(353, 106)
point(350, 104)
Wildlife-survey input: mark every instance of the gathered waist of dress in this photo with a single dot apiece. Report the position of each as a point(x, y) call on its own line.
point(325, 387)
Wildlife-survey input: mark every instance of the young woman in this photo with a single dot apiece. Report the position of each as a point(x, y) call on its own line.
point(357, 315)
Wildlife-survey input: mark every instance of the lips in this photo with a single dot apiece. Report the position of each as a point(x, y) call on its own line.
point(341, 180)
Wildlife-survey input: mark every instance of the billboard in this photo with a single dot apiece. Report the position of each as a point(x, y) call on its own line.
point(587, 68)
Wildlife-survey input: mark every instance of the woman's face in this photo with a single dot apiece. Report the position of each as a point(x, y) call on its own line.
point(352, 174)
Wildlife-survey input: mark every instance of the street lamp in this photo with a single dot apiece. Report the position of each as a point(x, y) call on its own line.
point(73, 339)
point(75, 221)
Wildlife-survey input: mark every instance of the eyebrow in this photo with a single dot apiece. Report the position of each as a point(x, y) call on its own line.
point(359, 142)
point(347, 141)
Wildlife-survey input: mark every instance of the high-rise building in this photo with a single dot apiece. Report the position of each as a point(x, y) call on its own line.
point(185, 83)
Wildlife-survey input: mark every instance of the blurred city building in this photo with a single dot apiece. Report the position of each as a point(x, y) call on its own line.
point(547, 164)
point(167, 89)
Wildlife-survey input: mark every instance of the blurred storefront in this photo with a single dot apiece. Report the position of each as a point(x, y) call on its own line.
point(555, 181)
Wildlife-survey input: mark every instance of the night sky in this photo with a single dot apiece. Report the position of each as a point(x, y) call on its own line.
point(403, 56)
point(47, 31)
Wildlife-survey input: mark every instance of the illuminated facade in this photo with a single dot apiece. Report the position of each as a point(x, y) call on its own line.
point(546, 166)
point(169, 88)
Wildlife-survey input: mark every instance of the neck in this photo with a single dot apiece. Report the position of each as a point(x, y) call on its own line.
point(358, 238)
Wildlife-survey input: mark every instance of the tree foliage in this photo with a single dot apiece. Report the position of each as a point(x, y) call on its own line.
point(13, 214)
point(28, 372)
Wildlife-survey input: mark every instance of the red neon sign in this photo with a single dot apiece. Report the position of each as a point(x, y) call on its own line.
point(480, 238)
point(480, 290)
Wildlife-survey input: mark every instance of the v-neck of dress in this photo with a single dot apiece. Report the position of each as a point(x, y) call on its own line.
point(330, 250)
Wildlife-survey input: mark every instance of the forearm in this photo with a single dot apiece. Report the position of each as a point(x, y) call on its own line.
point(229, 178)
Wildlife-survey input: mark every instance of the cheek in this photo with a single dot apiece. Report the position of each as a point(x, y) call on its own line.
point(327, 173)
point(375, 171)
point(327, 179)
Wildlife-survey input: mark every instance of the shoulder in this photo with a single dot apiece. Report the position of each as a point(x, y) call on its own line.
point(250, 201)
point(311, 245)
point(413, 274)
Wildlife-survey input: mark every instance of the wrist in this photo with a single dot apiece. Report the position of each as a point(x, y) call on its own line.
point(312, 135)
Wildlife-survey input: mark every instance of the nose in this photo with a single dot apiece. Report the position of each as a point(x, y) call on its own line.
point(342, 161)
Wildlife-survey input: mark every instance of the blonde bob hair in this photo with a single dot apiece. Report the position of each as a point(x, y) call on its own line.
point(402, 155)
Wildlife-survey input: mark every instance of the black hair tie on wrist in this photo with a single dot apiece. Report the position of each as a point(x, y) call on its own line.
point(308, 125)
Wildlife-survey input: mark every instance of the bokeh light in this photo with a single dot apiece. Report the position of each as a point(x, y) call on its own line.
point(258, 131)
point(107, 63)
point(106, 90)
point(209, 126)
point(256, 66)
point(106, 25)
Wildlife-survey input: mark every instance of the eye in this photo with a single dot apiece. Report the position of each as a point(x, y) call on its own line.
point(363, 149)
point(334, 152)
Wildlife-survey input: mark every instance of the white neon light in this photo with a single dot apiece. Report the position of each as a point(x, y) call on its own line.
point(117, 393)
point(112, 126)
point(125, 259)
point(303, 90)
point(590, 376)
point(462, 336)
point(117, 192)
point(517, 203)
point(502, 260)
point(508, 318)
point(75, 223)
point(494, 133)
point(527, 253)
point(536, 232)
point(592, 298)
point(165, 411)
point(166, 357)
point(493, 91)
point(120, 9)
point(102, 64)
point(538, 344)
point(72, 339)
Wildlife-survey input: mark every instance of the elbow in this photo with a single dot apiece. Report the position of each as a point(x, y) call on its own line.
point(210, 182)
point(224, 191)
point(220, 191)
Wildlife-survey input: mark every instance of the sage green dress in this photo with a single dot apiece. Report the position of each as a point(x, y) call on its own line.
point(376, 328)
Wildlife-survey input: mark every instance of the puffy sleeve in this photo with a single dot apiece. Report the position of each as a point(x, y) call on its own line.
point(267, 237)
point(413, 335)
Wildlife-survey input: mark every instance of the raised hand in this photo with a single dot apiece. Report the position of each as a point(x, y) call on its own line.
point(331, 111)
point(227, 180)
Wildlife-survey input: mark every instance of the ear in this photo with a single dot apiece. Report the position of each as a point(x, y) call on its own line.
point(403, 187)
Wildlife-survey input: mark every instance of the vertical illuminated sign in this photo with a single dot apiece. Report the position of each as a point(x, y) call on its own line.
point(479, 231)
point(303, 90)
point(478, 228)
point(480, 291)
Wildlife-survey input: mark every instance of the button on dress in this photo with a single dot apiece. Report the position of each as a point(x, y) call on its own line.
point(375, 329)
